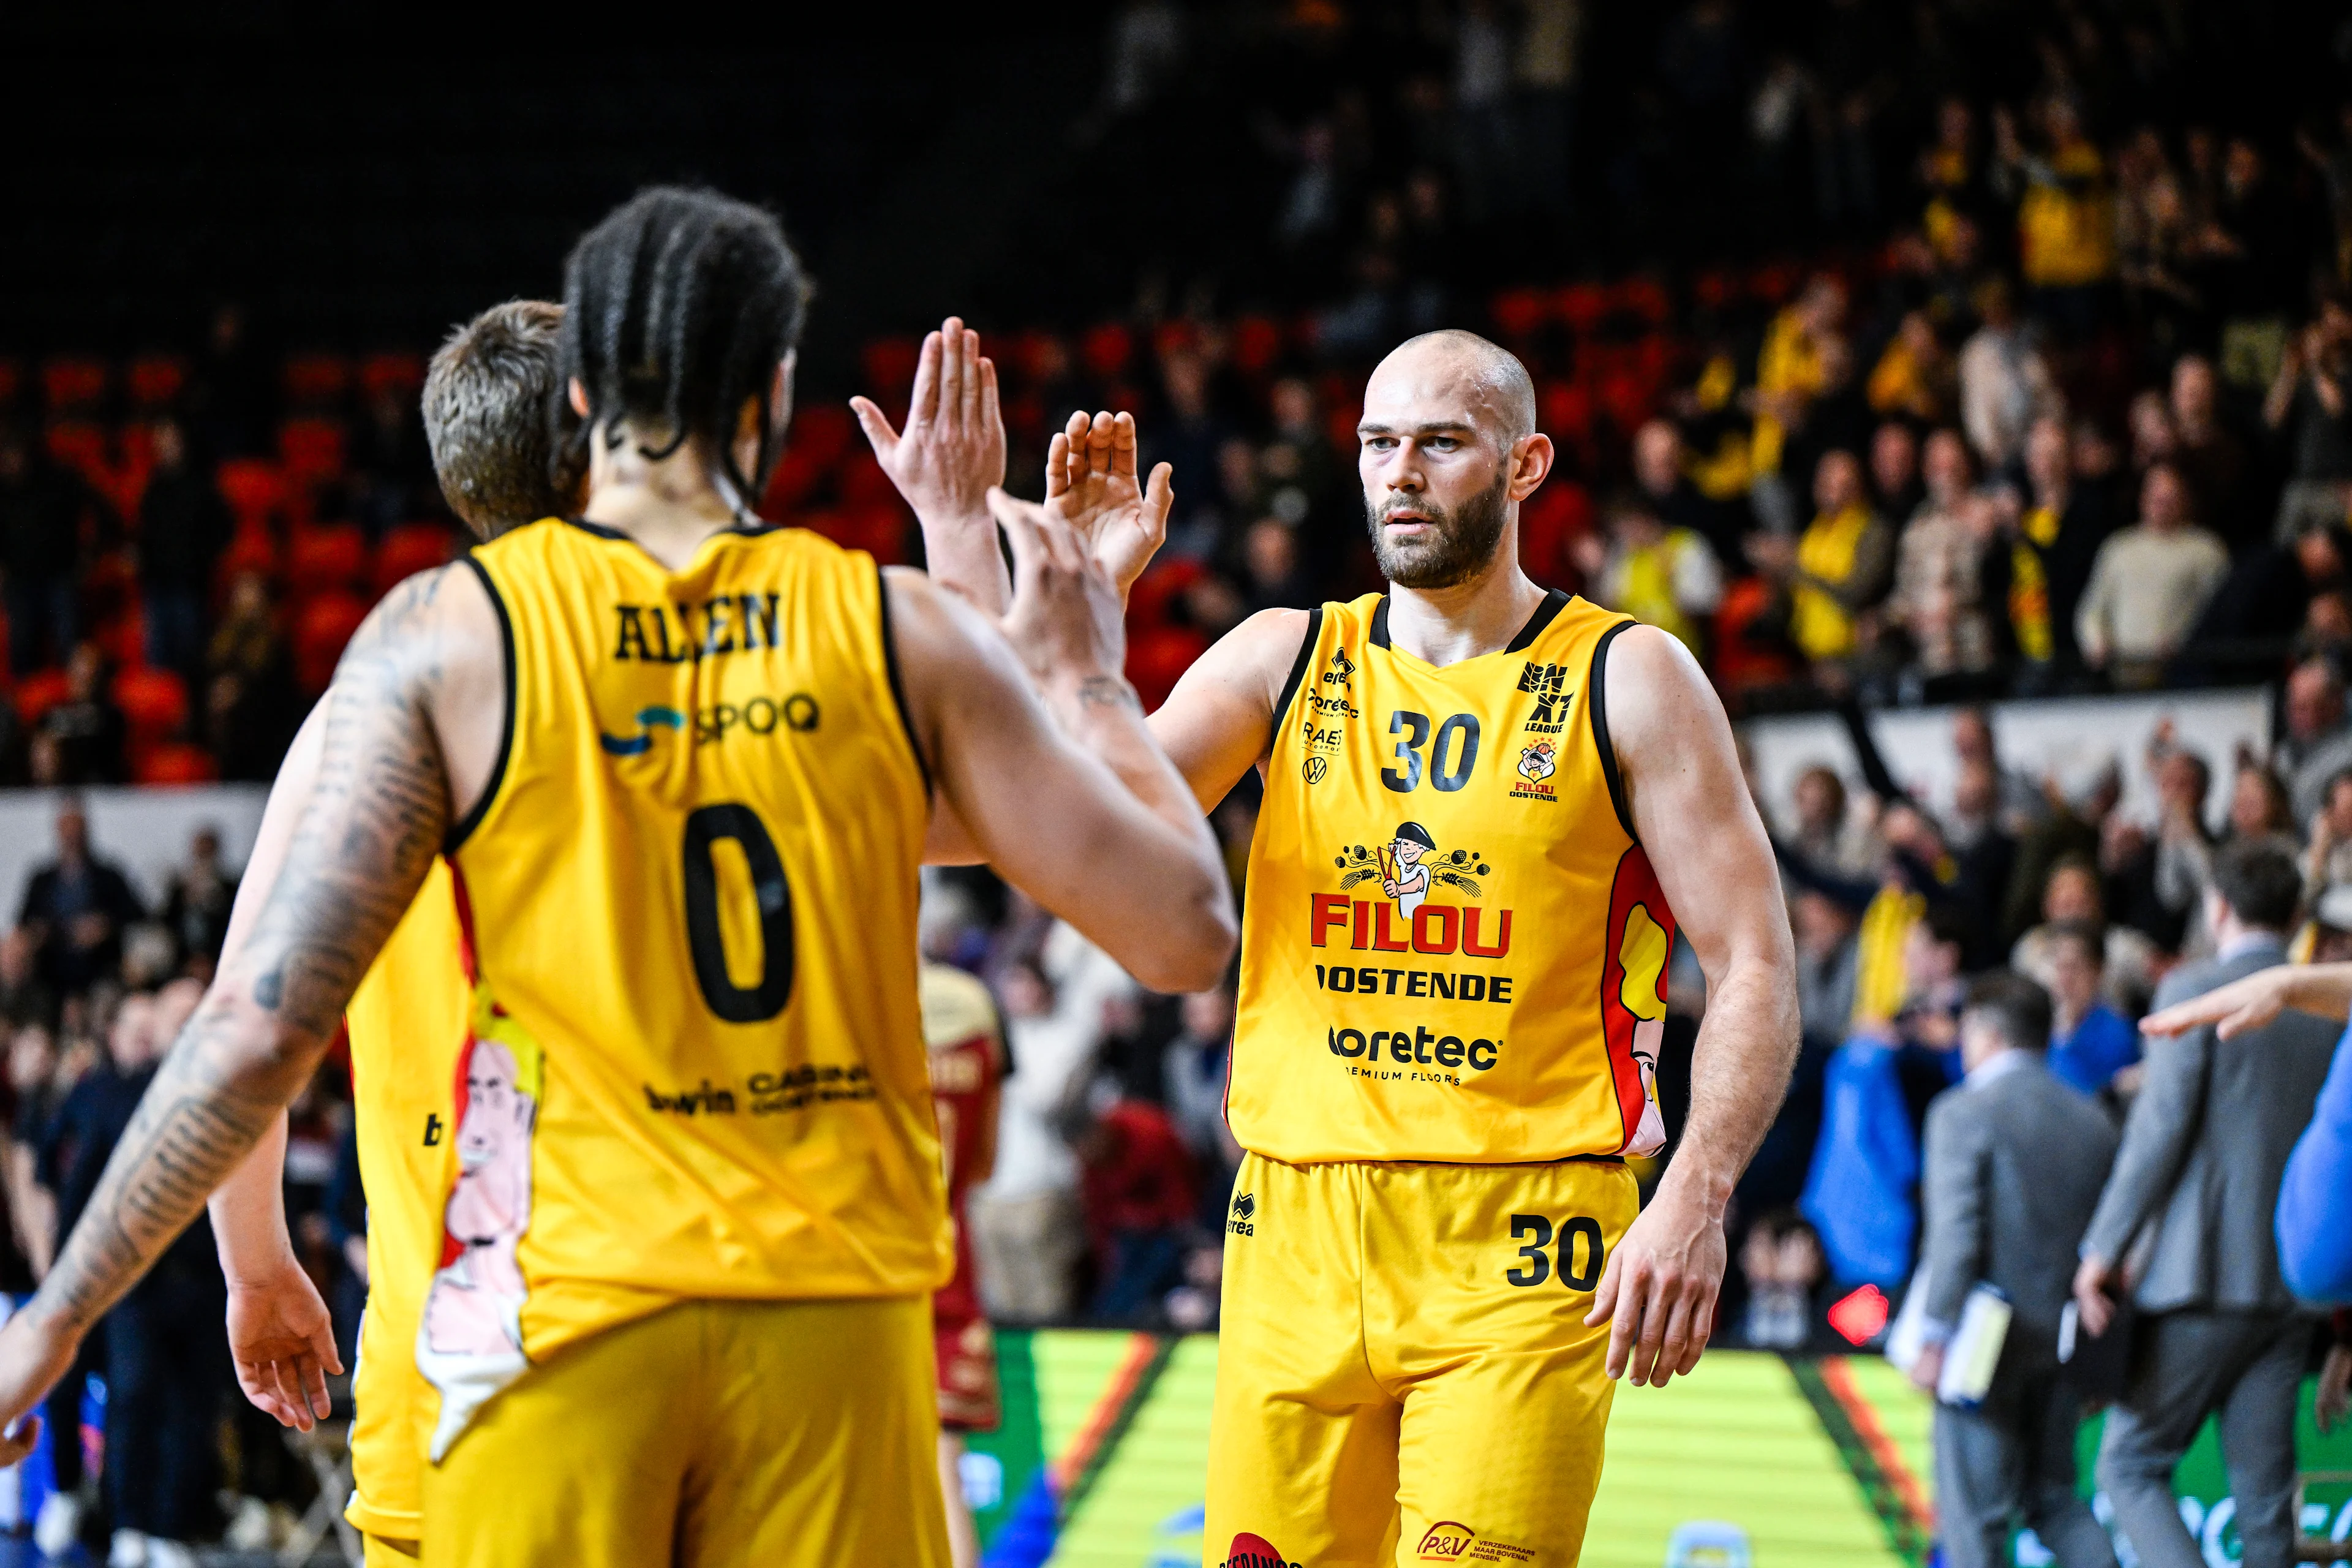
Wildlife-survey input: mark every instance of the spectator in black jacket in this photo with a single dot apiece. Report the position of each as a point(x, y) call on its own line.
point(183, 528)
point(74, 909)
point(41, 508)
point(82, 740)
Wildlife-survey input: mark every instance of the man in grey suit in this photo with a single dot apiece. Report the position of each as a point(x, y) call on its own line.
point(2203, 1153)
point(2014, 1163)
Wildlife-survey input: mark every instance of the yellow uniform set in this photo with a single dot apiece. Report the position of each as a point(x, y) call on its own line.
point(408, 1021)
point(682, 1287)
point(1452, 987)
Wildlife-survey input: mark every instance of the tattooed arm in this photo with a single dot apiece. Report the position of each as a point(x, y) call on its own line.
point(410, 723)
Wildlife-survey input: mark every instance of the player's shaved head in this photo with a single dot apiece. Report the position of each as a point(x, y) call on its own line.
point(1490, 381)
point(493, 419)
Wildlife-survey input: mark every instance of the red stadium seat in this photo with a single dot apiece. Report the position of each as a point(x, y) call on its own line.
point(333, 556)
point(1106, 349)
point(889, 366)
point(824, 431)
point(1551, 522)
point(1582, 306)
point(156, 380)
point(1257, 345)
point(1629, 399)
point(311, 450)
point(318, 379)
point(37, 691)
point(1339, 422)
point(879, 531)
point(397, 372)
point(863, 484)
point(123, 636)
point(405, 550)
point(322, 625)
point(12, 381)
point(1565, 409)
point(80, 445)
point(154, 702)
point(794, 480)
point(171, 763)
point(254, 490)
point(1521, 312)
point(1174, 337)
point(71, 384)
point(1776, 280)
point(250, 549)
point(1644, 297)
point(1156, 592)
point(1158, 658)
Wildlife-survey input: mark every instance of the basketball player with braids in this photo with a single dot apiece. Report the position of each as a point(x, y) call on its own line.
point(1488, 811)
point(681, 766)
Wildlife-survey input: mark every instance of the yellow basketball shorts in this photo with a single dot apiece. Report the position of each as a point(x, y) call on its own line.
point(787, 1434)
point(1404, 1372)
point(385, 1551)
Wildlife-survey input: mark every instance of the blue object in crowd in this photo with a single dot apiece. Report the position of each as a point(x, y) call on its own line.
point(1861, 1192)
point(2102, 1045)
point(2315, 1216)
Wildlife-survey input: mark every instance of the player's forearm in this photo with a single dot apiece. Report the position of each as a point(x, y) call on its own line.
point(962, 553)
point(1105, 718)
point(1739, 1072)
point(248, 1211)
point(218, 1093)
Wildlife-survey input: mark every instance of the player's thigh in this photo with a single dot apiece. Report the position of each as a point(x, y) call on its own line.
point(1478, 1284)
point(581, 1461)
point(823, 1445)
point(1302, 1439)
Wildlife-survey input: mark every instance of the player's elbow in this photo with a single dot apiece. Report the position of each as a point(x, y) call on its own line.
point(1188, 949)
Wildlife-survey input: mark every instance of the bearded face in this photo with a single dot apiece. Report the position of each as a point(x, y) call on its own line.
point(1438, 546)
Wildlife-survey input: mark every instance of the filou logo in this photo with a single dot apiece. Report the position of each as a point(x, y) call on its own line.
point(1243, 1211)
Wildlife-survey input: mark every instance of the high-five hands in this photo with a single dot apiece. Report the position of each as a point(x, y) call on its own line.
point(952, 450)
point(1091, 484)
point(1066, 621)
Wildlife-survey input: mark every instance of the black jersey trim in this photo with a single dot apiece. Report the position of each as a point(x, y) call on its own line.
point(1597, 703)
point(1298, 668)
point(1379, 636)
point(1546, 612)
point(473, 819)
point(898, 685)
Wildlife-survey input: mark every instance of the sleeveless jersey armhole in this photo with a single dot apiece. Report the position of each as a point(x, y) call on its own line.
point(464, 829)
point(898, 685)
point(1597, 690)
point(1298, 668)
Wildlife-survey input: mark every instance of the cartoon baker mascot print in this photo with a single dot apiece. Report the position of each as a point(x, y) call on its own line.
point(470, 1345)
point(1403, 877)
point(1538, 761)
point(1633, 997)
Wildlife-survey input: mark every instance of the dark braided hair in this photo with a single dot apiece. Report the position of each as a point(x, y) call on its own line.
point(677, 307)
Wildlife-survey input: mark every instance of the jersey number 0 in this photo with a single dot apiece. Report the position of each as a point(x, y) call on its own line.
point(705, 939)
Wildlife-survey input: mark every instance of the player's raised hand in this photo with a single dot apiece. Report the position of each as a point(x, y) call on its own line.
point(1091, 484)
point(1657, 1292)
point(952, 450)
point(2248, 1004)
point(1066, 621)
point(282, 1341)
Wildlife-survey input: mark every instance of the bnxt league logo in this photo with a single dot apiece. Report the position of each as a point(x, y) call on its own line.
point(1252, 1552)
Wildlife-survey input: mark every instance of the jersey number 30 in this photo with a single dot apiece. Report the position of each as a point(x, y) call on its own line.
point(705, 937)
point(1450, 761)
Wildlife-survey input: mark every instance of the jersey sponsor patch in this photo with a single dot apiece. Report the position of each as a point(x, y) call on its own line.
point(1254, 1551)
point(1449, 1541)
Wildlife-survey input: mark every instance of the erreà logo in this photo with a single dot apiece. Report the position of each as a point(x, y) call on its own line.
point(1253, 1552)
point(1244, 1208)
point(1446, 1542)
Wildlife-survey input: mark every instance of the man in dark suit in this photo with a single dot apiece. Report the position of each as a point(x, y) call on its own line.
point(2014, 1163)
point(2196, 1185)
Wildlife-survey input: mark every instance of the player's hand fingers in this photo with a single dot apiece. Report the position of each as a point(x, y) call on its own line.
point(313, 1378)
point(1058, 466)
point(289, 1384)
point(877, 426)
point(1625, 1323)
point(1674, 1343)
point(255, 1382)
point(972, 382)
point(1019, 520)
point(19, 1440)
point(1159, 497)
point(1657, 1305)
point(951, 355)
point(1604, 1295)
point(1702, 1327)
point(1100, 436)
point(992, 405)
point(1122, 445)
point(924, 404)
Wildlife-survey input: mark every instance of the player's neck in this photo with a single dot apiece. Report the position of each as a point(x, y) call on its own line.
point(669, 505)
point(1482, 615)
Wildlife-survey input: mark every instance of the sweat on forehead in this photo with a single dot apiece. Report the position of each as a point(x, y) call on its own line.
point(1496, 384)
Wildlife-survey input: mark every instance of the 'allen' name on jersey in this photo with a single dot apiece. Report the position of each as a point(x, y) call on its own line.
point(733, 623)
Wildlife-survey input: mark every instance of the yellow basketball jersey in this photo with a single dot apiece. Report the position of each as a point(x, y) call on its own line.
point(1453, 948)
point(696, 1067)
point(407, 1023)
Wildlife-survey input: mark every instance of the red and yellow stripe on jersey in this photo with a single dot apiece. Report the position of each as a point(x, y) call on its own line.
point(696, 1069)
point(1453, 948)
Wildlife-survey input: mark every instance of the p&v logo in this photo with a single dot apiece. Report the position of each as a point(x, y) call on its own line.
point(1446, 1542)
point(760, 716)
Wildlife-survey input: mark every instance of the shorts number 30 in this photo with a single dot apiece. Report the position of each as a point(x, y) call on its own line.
point(1537, 1232)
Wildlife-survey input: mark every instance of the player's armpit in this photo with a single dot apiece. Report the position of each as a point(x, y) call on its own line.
point(1053, 820)
point(1219, 722)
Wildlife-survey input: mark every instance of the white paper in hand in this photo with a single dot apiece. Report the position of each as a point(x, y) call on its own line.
point(1975, 1348)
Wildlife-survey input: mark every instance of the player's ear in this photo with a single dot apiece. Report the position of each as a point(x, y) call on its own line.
point(780, 394)
point(579, 396)
point(1531, 459)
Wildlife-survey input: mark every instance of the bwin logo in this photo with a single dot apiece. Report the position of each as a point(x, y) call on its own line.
point(1244, 1208)
point(648, 721)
